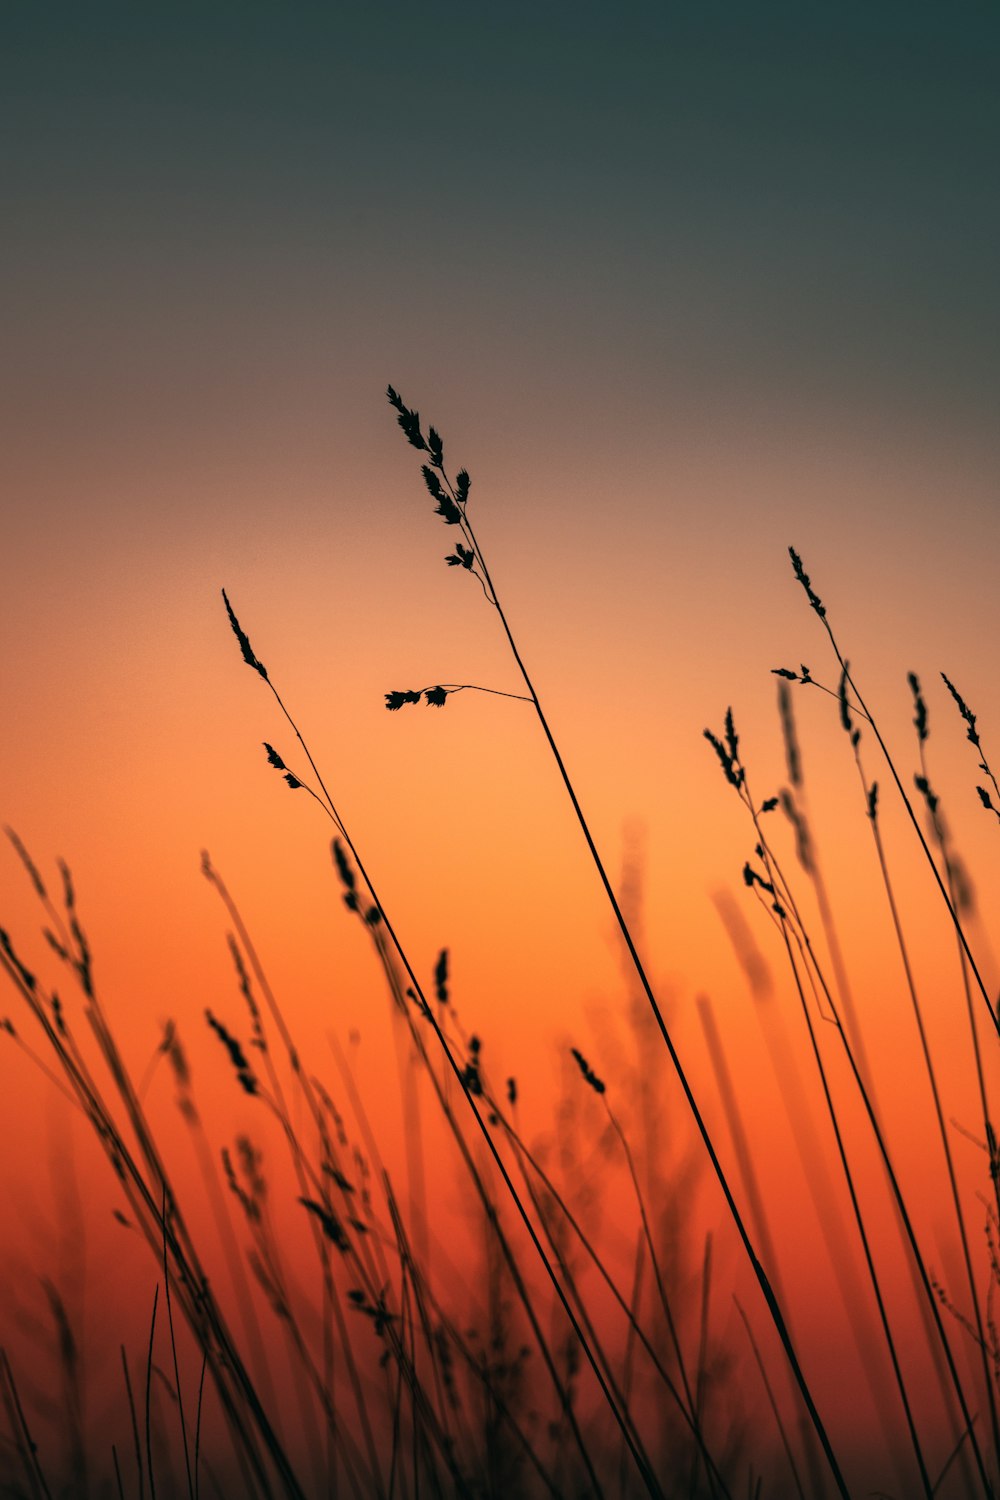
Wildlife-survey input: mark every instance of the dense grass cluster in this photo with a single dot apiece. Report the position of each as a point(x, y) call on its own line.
point(581, 1372)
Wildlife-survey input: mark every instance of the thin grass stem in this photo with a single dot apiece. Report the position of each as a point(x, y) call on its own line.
point(459, 504)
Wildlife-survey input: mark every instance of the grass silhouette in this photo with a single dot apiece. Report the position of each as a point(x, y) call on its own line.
point(584, 1370)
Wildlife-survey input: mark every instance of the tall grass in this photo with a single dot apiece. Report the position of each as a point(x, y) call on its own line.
point(318, 1335)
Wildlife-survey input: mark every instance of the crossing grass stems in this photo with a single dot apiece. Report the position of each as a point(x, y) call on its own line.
point(583, 1373)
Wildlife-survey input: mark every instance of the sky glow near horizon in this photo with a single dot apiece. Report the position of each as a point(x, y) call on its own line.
point(680, 286)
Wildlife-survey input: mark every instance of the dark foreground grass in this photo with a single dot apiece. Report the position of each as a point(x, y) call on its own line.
point(593, 1363)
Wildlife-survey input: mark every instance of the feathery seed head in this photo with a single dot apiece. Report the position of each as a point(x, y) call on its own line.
point(803, 578)
point(408, 420)
point(970, 718)
point(396, 699)
point(241, 636)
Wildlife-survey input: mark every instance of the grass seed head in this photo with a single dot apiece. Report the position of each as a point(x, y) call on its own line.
point(919, 707)
point(28, 864)
point(237, 1057)
point(396, 699)
point(441, 977)
point(244, 640)
point(803, 578)
point(971, 731)
point(408, 420)
point(589, 1076)
point(343, 866)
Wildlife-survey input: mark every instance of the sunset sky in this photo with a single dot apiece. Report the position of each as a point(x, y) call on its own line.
point(680, 285)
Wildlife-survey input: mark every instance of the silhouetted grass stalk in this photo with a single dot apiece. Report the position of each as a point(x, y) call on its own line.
point(376, 917)
point(780, 919)
point(923, 785)
point(960, 898)
point(820, 610)
point(452, 500)
point(526, 1157)
point(245, 1416)
point(785, 913)
point(313, 1186)
point(25, 1444)
point(691, 1405)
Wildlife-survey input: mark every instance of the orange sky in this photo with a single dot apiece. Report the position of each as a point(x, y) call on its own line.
point(745, 348)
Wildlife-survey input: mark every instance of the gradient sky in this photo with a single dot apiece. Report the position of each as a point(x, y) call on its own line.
point(680, 285)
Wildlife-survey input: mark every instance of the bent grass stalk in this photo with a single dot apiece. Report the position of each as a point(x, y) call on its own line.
point(377, 916)
point(784, 911)
point(954, 894)
point(807, 1143)
point(598, 1086)
point(309, 1184)
point(933, 808)
point(686, 1405)
point(243, 1412)
point(804, 849)
point(249, 1425)
point(419, 1280)
point(961, 899)
point(636, 1331)
point(470, 1080)
point(780, 917)
point(819, 609)
point(452, 501)
point(793, 805)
